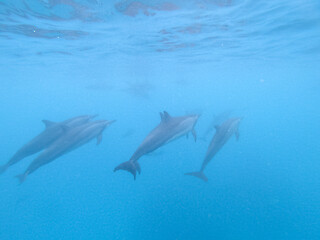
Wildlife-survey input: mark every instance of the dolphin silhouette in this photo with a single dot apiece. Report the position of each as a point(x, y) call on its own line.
point(169, 129)
point(51, 133)
point(72, 139)
point(222, 135)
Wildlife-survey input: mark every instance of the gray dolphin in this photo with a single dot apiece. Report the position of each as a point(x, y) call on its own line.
point(72, 139)
point(51, 133)
point(169, 129)
point(222, 135)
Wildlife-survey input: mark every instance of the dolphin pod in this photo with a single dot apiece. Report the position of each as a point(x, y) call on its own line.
point(59, 138)
point(222, 135)
point(51, 133)
point(169, 129)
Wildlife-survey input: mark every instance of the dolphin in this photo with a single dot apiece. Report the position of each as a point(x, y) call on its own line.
point(72, 139)
point(169, 129)
point(222, 135)
point(51, 133)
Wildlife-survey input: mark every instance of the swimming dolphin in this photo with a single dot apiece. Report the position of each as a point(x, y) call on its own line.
point(222, 135)
point(51, 133)
point(169, 129)
point(72, 139)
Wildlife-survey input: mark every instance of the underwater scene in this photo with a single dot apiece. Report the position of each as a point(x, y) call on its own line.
point(159, 119)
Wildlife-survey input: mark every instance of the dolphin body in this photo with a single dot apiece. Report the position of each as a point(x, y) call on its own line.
point(169, 129)
point(51, 133)
point(222, 135)
point(72, 139)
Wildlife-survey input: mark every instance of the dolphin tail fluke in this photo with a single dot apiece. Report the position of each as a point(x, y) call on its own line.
point(138, 167)
point(198, 175)
point(21, 177)
point(129, 166)
point(3, 168)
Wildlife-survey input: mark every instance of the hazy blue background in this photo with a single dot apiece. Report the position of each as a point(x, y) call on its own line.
point(129, 60)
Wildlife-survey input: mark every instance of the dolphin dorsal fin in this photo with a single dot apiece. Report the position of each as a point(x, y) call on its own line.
point(161, 116)
point(48, 123)
point(166, 116)
point(216, 127)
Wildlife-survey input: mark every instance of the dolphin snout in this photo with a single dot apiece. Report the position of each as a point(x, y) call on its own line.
point(196, 117)
point(93, 116)
point(112, 121)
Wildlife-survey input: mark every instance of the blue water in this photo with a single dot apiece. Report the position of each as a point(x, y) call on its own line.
point(129, 60)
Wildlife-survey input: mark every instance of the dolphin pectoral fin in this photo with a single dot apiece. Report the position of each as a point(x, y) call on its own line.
point(237, 134)
point(198, 175)
point(129, 166)
point(187, 135)
point(3, 168)
point(194, 134)
point(22, 177)
point(99, 138)
point(48, 123)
